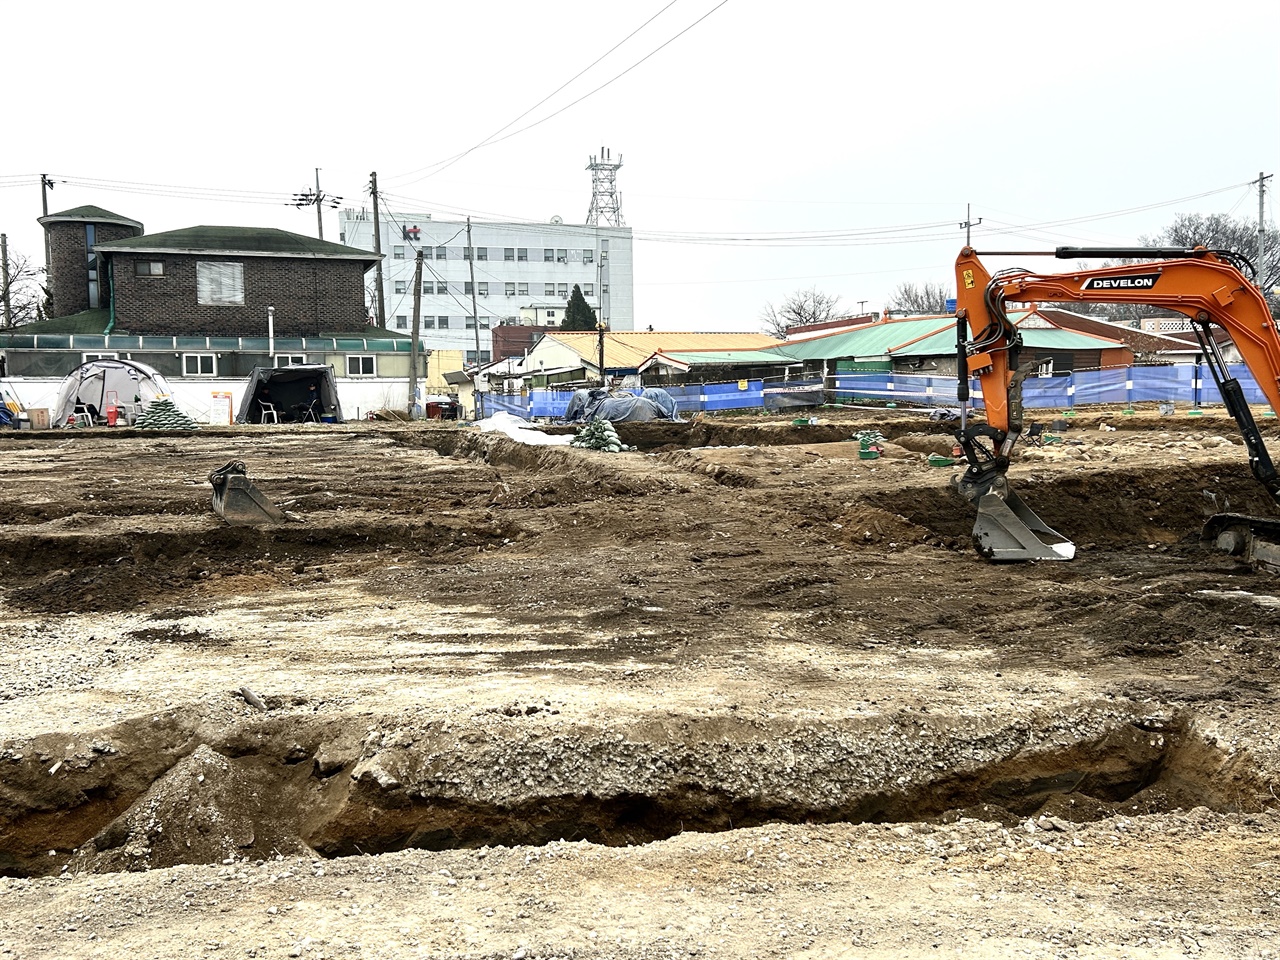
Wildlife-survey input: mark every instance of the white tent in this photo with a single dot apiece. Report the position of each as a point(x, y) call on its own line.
point(95, 381)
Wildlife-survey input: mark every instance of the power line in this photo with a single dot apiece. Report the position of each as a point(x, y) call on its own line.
point(493, 139)
point(454, 159)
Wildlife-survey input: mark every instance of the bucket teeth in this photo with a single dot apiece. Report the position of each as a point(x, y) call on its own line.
point(1007, 531)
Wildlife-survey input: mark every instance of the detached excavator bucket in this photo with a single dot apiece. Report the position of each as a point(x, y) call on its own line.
point(238, 501)
point(1007, 531)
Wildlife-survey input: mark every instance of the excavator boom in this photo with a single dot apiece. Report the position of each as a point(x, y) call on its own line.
point(1206, 286)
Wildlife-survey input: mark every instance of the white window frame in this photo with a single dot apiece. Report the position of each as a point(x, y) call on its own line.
point(86, 357)
point(361, 364)
point(402, 321)
point(290, 359)
point(199, 358)
point(397, 253)
point(151, 270)
point(219, 283)
point(398, 287)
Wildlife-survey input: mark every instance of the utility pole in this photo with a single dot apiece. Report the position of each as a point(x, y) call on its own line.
point(969, 223)
point(317, 199)
point(413, 347)
point(45, 186)
point(1262, 230)
point(377, 249)
point(475, 322)
point(4, 278)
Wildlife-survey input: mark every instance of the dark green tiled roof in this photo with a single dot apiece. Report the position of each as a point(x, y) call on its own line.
point(91, 213)
point(260, 241)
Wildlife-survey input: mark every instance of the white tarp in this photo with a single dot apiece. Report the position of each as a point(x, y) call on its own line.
point(520, 430)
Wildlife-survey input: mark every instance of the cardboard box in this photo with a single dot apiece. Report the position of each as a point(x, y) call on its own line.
point(39, 418)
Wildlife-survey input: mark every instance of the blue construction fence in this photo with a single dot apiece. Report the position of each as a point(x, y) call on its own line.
point(693, 398)
point(1185, 383)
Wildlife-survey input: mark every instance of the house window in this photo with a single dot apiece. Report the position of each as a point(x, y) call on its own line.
point(402, 322)
point(482, 253)
point(397, 253)
point(440, 253)
point(470, 323)
point(219, 284)
point(522, 254)
point(482, 289)
point(199, 365)
point(562, 256)
point(604, 249)
point(86, 357)
point(442, 323)
point(524, 289)
point(427, 289)
point(562, 291)
point(466, 253)
point(510, 289)
point(428, 323)
point(551, 314)
point(484, 323)
point(148, 268)
point(471, 356)
point(399, 286)
point(508, 253)
point(442, 288)
point(467, 288)
point(289, 359)
point(548, 289)
point(588, 289)
point(360, 365)
point(548, 255)
point(588, 256)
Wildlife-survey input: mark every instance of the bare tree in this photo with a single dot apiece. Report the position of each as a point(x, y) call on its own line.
point(803, 306)
point(923, 298)
point(24, 292)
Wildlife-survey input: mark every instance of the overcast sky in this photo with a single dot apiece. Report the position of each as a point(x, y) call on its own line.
point(869, 124)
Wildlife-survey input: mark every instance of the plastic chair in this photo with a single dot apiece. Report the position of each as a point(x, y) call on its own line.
point(81, 417)
point(269, 410)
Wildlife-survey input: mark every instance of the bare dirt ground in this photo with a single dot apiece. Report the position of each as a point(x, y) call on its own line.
point(738, 694)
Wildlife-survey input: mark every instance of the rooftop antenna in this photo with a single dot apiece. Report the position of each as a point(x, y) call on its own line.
point(605, 205)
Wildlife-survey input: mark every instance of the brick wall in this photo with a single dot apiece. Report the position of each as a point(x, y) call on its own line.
point(311, 297)
point(69, 264)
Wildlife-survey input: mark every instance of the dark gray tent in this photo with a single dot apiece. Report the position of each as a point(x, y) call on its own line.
point(290, 391)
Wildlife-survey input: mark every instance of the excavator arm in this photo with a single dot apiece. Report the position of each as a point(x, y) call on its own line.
point(1200, 284)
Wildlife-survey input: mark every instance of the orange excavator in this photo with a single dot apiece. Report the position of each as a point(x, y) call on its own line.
point(1207, 286)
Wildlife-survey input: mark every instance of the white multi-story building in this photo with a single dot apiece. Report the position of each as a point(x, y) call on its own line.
point(524, 273)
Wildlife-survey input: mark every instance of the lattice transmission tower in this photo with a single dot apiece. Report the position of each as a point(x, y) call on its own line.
point(605, 205)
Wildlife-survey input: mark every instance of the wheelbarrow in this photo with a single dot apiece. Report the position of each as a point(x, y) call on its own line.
point(237, 501)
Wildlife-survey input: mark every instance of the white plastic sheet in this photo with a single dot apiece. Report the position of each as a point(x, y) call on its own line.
point(520, 430)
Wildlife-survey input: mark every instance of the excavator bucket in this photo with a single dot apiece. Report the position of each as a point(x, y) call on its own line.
point(238, 501)
point(1007, 531)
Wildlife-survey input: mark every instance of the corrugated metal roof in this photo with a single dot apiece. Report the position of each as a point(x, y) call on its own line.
point(626, 350)
point(701, 358)
point(869, 340)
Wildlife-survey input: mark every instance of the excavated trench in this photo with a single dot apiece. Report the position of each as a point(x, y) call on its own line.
point(159, 790)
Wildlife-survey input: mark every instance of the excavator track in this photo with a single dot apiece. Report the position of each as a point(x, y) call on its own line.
point(1253, 540)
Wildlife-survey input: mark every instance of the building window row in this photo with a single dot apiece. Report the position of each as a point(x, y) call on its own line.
point(441, 288)
point(509, 254)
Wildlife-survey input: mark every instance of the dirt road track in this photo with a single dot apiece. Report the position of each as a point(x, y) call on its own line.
point(584, 686)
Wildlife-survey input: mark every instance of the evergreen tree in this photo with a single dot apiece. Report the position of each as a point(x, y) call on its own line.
point(578, 315)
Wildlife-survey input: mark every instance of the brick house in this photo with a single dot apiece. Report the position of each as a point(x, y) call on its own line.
point(222, 280)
